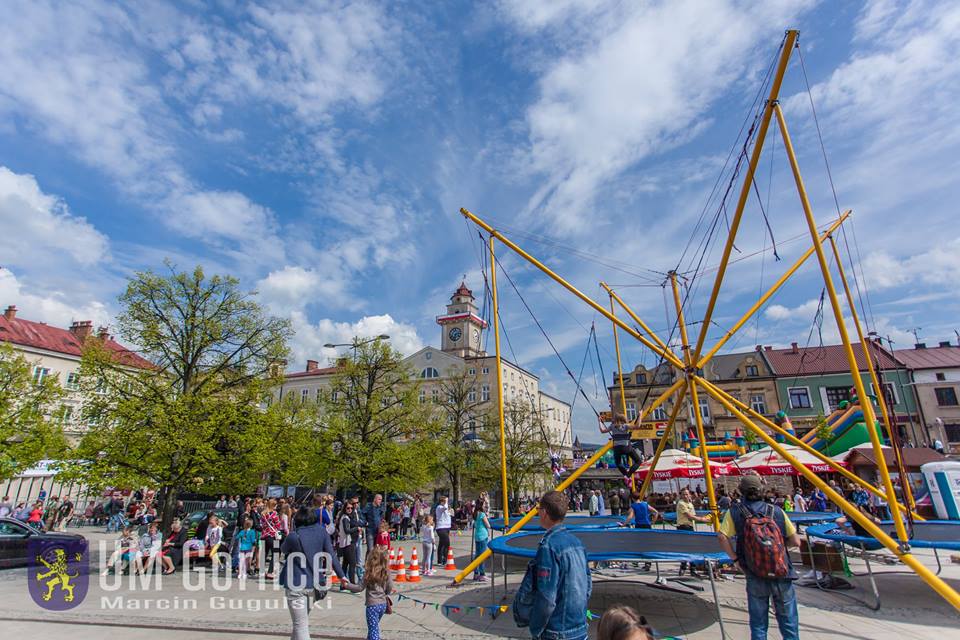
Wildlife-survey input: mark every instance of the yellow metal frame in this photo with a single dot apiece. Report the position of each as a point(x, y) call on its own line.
point(623, 396)
point(692, 360)
point(500, 398)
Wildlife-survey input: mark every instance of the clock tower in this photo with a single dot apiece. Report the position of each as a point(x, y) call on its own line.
point(461, 327)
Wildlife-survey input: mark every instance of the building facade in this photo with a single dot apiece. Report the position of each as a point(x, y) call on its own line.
point(57, 352)
point(935, 380)
point(747, 376)
point(461, 354)
point(812, 381)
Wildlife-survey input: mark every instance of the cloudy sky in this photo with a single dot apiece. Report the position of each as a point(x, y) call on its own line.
point(320, 151)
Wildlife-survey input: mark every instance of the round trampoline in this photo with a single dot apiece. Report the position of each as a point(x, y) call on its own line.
point(797, 517)
point(571, 522)
point(643, 545)
point(932, 534)
point(653, 545)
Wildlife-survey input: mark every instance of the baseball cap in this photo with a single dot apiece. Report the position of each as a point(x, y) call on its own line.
point(750, 484)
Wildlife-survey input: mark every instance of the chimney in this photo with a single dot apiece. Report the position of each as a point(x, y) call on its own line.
point(103, 334)
point(759, 348)
point(312, 365)
point(945, 343)
point(82, 329)
point(768, 348)
point(794, 348)
point(11, 312)
point(920, 345)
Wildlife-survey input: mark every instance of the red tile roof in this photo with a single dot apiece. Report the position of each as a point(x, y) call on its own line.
point(325, 371)
point(826, 359)
point(38, 335)
point(932, 358)
point(913, 457)
point(462, 290)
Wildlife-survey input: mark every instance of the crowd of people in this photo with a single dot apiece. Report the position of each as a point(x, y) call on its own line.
point(44, 514)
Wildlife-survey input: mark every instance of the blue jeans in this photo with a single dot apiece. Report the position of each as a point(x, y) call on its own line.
point(116, 522)
point(759, 594)
point(480, 546)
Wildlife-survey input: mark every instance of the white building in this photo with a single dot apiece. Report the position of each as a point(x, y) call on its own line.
point(461, 339)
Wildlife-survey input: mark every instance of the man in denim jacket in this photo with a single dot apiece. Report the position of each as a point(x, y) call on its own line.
point(562, 580)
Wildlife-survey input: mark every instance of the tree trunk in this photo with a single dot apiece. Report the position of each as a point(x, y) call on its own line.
point(169, 507)
point(457, 487)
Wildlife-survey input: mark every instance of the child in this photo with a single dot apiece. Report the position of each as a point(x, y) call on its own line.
point(428, 537)
point(619, 432)
point(377, 582)
point(623, 623)
point(128, 550)
point(383, 536)
point(246, 541)
point(213, 539)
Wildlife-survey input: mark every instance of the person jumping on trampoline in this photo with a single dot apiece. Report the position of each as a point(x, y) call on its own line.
point(619, 432)
point(642, 515)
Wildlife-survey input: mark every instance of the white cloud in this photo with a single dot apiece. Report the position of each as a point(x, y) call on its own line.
point(56, 308)
point(640, 84)
point(938, 266)
point(311, 336)
point(802, 313)
point(38, 226)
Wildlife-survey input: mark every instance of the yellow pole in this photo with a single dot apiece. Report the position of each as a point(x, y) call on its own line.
point(500, 399)
point(563, 485)
point(938, 585)
point(636, 318)
point(665, 354)
point(788, 44)
point(766, 296)
point(881, 396)
point(794, 440)
point(665, 438)
point(623, 394)
point(695, 399)
point(865, 404)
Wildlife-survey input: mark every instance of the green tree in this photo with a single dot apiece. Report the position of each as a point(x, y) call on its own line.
point(197, 419)
point(459, 407)
point(379, 435)
point(527, 456)
point(29, 410)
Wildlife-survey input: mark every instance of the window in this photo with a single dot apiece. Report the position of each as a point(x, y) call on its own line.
point(304, 394)
point(704, 410)
point(953, 432)
point(485, 393)
point(946, 396)
point(758, 402)
point(428, 355)
point(799, 397)
point(334, 396)
point(641, 378)
point(625, 378)
point(631, 410)
point(836, 395)
point(423, 396)
point(752, 371)
point(66, 414)
point(485, 370)
point(471, 372)
point(660, 414)
point(472, 395)
point(429, 373)
point(889, 393)
point(941, 377)
point(435, 396)
point(73, 380)
point(39, 374)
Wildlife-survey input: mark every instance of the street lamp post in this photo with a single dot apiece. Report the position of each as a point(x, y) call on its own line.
point(356, 343)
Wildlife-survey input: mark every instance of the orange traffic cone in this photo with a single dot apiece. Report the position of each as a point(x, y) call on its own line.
point(334, 579)
point(401, 568)
point(414, 567)
point(392, 562)
point(451, 565)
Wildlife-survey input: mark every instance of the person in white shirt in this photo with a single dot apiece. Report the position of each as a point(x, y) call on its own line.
point(443, 518)
point(799, 502)
point(221, 503)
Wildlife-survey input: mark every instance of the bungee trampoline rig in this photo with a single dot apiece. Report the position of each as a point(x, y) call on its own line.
point(693, 356)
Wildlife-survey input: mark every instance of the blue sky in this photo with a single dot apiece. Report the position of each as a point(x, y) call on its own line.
point(320, 151)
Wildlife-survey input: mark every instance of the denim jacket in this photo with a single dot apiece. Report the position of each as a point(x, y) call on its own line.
point(563, 587)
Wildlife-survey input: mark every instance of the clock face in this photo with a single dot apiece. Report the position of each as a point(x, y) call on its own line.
point(455, 334)
point(476, 336)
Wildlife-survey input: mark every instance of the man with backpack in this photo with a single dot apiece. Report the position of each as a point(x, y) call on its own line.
point(763, 532)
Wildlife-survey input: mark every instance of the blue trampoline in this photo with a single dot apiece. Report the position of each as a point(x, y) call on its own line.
point(797, 517)
point(653, 545)
point(571, 522)
point(931, 534)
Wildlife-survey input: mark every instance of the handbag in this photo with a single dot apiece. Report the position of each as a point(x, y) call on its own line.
point(389, 605)
point(523, 601)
